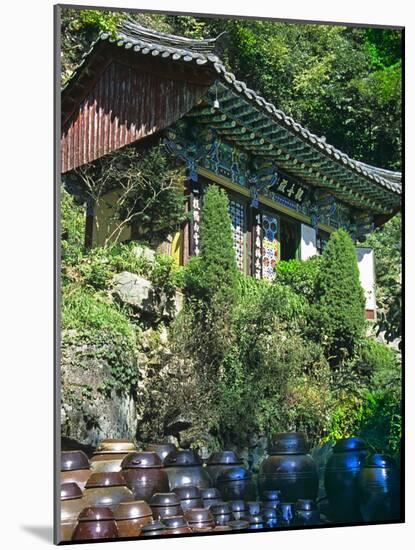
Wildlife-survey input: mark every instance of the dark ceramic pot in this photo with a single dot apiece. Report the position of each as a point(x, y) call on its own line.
point(238, 525)
point(164, 505)
point(153, 529)
point(106, 489)
point(340, 479)
point(71, 506)
point(210, 497)
point(190, 497)
point(271, 496)
point(161, 449)
point(109, 454)
point(287, 513)
point(236, 484)
point(379, 489)
point(222, 513)
point(271, 518)
point(306, 513)
point(185, 468)
point(200, 519)
point(220, 461)
point(75, 468)
point(289, 468)
point(131, 517)
point(144, 474)
point(238, 508)
point(256, 522)
point(254, 507)
point(95, 523)
point(176, 525)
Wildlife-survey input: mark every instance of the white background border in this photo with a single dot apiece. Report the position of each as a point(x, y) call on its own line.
point(26, 307)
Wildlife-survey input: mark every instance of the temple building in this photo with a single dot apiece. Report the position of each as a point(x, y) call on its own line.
point(288, 188)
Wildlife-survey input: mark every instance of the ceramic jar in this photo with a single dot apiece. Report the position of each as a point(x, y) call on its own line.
point(236, 484)
point(289, 468)
point(238, 508)
point(220, 461)
point(95, 523)
point(144, 474)
point(164, 505)
point(106, 489)
point(185, 468)
point(153, 529)
point(131, 517)
point(210, 497)
point(190, 497)
point(161, 449)
point(200, 519)
point(222, 513)
point(254, 507)
point(256, 522)
point(340, 479)
point(287, 513)
point(238, 525)
point(379, 489)
point(271, 518)
point(306, 512)
point(109, 454)
point(75, 468)
point(176, 525)
point(71, 506)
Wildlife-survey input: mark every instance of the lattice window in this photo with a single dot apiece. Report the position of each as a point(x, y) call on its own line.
point(237, 214)
point(269, 246)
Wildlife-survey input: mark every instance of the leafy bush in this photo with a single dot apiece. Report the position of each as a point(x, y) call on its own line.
point(299, 275)
point(72, 229)
point(374, 357)
point(338, 315)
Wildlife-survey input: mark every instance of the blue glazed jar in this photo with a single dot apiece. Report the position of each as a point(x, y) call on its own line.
point(340, 479)
point(379, 489)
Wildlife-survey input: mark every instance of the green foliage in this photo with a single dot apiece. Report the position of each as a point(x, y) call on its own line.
point(72, 228)
point(386, 242)
point(338, 314)
point(299, 275)
point(375, 357)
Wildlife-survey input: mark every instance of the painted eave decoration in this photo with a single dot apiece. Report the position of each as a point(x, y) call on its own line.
point(241, 116)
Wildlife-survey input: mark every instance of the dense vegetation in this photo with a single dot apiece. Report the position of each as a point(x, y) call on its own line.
point(341, 82)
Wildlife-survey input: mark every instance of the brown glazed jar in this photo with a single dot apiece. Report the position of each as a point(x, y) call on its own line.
point(109, 454)
point(131, 517)
point(161, 449)
point(164, 505)
point(221, 513)
point(236, 484)
point(340, 479)
point(210, 497)
point(106, 489)
point(289, 468)
point(75, 468)
point(95, 523)
point(153, 529)
point(71, 506)
point(220, 461)
point(176, 525)
point(200, 520)
point(239, 509)
point(185, 468)
point(379, 489)
point(144, 474)
point(190, 497)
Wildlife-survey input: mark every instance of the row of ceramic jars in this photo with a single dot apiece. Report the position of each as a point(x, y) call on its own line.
point(360, 486)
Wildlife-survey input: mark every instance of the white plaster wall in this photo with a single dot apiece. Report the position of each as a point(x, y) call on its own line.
point(366, 263)
point(308, 246)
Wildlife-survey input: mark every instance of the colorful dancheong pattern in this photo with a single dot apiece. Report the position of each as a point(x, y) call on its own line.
point(269, 246)
point(237, 214)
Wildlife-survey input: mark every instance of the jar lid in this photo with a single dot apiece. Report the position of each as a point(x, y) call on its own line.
point(289, 443)
point(132, 510)
point(238, 524)
point(152, 526)
point(141, 459)
point(105, 479)
point(164, 499)
point(96, 513)
point(198, 515)
point(173, 522)
point(70, 491)
point(114, 446)
point(224, 457)
point(349, 444)
point(74, 460)
point(379, 461)
point(187, 492)
point(186, 457)
point(237, 473)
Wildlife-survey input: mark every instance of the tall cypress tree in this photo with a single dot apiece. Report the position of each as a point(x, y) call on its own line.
point(340, 304)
